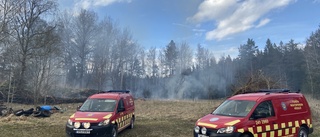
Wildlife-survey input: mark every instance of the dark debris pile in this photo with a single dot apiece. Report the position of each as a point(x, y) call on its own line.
point(40, 111)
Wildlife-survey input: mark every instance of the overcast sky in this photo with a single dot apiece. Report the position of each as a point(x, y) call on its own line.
point(219, 25)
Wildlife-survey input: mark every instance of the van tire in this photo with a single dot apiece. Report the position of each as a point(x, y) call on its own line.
point(245, 135)
point(114, 132)
point(303, 132)
point(131, 123)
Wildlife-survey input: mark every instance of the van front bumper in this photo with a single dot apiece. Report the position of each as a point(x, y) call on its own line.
point(95, 131)
point(235, 134)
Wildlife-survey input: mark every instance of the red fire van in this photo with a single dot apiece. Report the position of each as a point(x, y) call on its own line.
point(104, 114)
point(271, 113)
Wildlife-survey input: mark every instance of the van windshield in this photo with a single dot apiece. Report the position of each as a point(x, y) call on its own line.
point(235, 108)
point(98, 105)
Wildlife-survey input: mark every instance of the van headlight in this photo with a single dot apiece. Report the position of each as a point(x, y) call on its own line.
point(197, 129)
point(104, 122)
point(70, 122)
point(204, 130)
point(227, 130)
point(86, 125)
point(77, 124)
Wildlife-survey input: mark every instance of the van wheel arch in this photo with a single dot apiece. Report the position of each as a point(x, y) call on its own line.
point(306, 127)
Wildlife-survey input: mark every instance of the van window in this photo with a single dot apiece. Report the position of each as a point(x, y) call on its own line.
point(236, 108)
point(266, 108)
point(121, 104)
point(98, 105)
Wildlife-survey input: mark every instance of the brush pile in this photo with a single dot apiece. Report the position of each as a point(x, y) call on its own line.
point(255, 83)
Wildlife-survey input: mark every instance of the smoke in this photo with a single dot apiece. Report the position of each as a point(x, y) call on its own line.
point(199, 84)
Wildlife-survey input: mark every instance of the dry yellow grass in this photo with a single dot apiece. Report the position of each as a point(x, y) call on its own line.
point(181, 109)
point(315, 109)
point(154, 118)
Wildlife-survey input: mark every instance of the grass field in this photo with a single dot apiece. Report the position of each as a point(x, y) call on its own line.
point(154, 118)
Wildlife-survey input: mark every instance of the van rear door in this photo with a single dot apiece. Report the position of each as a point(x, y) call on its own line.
point(292, 112)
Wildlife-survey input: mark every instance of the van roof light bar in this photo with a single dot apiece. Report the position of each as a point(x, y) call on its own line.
point(115, 91)
point(119, 91)
point(274, 90)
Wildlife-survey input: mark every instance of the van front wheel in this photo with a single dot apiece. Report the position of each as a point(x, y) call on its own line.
point(114, 131)
point(303, 132)
point(245, 135)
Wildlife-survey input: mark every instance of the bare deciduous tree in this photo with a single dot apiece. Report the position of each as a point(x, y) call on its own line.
point(84, 31)
point(43, 63)
point(28, 28)
point(105, 40)
point(123, 52)
point(185, 56)
point(151, 62)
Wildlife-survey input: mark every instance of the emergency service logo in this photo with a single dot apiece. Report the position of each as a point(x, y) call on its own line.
point(283, 105)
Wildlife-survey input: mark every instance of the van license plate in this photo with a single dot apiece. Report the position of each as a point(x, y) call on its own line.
point(202, 135)
point(83, 131)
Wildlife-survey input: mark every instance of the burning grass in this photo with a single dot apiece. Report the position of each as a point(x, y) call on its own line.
point(154, 118)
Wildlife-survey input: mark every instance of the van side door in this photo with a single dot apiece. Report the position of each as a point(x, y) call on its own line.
point(263, 120)
point(120, 113)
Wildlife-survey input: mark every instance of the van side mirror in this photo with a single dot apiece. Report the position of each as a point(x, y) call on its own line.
point(78, 107)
